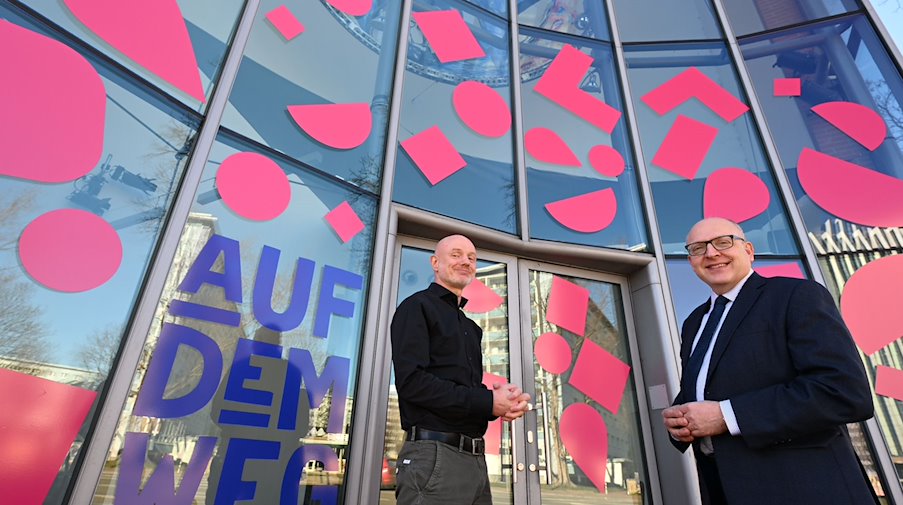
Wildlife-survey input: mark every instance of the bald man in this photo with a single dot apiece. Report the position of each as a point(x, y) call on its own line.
point(445, 408)
point(770, 379)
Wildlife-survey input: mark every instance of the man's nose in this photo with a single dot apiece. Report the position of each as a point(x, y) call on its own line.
point(710, 250)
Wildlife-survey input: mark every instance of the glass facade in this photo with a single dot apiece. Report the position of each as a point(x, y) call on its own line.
point(209, 208)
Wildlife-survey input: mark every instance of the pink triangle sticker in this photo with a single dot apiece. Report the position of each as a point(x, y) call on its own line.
point(735, 194)
point(54, 107)
point(587, 213)
point(341, 126)
point(153, 34)
point(480, 298)
point(546, 146)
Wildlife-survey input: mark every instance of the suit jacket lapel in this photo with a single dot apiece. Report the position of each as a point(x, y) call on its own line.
point(741, 306)
point(691, 328)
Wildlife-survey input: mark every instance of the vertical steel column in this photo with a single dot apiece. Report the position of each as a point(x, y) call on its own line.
point(121, 379)
point(370, 408)
point(517, 129)
point(873, 430)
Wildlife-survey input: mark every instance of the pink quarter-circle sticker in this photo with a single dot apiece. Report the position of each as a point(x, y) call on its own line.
point(859, 122)
point(70, 250)
point(587, 213)
point(253, 186)
point(482, 109)
point(49, 92)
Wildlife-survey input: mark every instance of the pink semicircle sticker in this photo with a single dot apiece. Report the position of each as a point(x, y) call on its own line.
point(606, 160)
point(53, 104)
point(153, 34)
point(850, 191)
point(352, 7)
point(482, 109)
point(481, 298)
point(340, 126)
point(546, 146)
point(870, 303)
point(587, 213)
point(859, 122)
point(553, 353)
point(735, 194)
point(70, 250)
point(253, 186)
point(585, 436)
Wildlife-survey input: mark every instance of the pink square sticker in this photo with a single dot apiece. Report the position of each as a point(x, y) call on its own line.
point(433, 154)
point(787, 87)
point(344, 221)
point(448, 35)
point(285, 22)
point(39, 420)
point(568, 304)
point(600, 375)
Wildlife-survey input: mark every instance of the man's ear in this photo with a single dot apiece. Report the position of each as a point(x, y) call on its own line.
point(434, 261)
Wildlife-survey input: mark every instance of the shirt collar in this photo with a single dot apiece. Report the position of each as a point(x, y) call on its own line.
point(447, 295)
point(732, 294)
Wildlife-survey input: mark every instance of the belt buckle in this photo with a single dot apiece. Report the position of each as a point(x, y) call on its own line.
point(478, 446)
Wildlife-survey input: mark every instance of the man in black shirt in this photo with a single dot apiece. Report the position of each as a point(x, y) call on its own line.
point(445, 408)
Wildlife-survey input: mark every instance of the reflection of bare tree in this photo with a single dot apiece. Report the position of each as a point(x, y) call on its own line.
point(10, 225)
point(22, 335)
point(98, 351)
point(887, 105)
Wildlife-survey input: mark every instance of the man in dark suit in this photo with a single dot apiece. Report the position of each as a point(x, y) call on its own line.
point(771, 377)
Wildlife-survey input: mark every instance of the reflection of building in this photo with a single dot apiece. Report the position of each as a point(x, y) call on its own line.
point(842, 249)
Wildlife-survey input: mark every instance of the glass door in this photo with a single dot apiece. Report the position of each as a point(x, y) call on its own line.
point(584, 437)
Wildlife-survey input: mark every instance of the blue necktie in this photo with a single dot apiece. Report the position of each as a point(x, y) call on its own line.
point(694, 364)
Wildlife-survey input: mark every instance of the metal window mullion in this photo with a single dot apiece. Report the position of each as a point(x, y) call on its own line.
point(121, 379)
point(671, 339)
point(517, 129)
point(370, 405)
point(873, 430)
point(889, 42)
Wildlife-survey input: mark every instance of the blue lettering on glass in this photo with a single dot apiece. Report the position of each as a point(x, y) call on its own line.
point(263, 292)
point(243, 370)
point(231, 488)
point(201, 271)
point(328, 304)
point(150, 400)
point(160, 488)
point(301, 367)
point(295, 467)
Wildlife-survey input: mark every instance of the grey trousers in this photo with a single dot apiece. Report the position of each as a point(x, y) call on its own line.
point(433, 473)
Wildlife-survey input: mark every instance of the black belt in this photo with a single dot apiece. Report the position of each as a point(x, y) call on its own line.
point(475, 446)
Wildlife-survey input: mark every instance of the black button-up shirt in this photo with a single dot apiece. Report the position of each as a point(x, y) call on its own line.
point(439, 365)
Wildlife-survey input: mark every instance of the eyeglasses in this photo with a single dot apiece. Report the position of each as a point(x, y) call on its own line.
point(719, 243)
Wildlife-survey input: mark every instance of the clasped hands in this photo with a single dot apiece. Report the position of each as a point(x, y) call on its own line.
point(508, 401)
point(689, 421)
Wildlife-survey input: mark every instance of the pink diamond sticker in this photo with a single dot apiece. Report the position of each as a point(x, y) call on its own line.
point(600, 375)
point(568, 304)
point(285, 22)
point(787, 87)
point(433, 154)
point(448, 35)
point(345, 222)
point(39, 420)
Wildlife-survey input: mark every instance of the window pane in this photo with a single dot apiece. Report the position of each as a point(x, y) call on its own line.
point(758, 15)
point(484, 190)
point(679, 196)
point(548, 182)
point(652, 20)
point(576, 17)
point(251, 359)
point(209, 24)
point(838, 61)
point(337, 60)
point(891, 14)
point(52, 326)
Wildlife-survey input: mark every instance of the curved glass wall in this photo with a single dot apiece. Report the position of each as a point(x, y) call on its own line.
point(251, 360)
point(89, 176)
point(339, 62)
point(455, 156)
point(181, 52)
point(550, 180)
point(760, 15)
point(574, 17)
point(653, 20)
point(703, 152)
